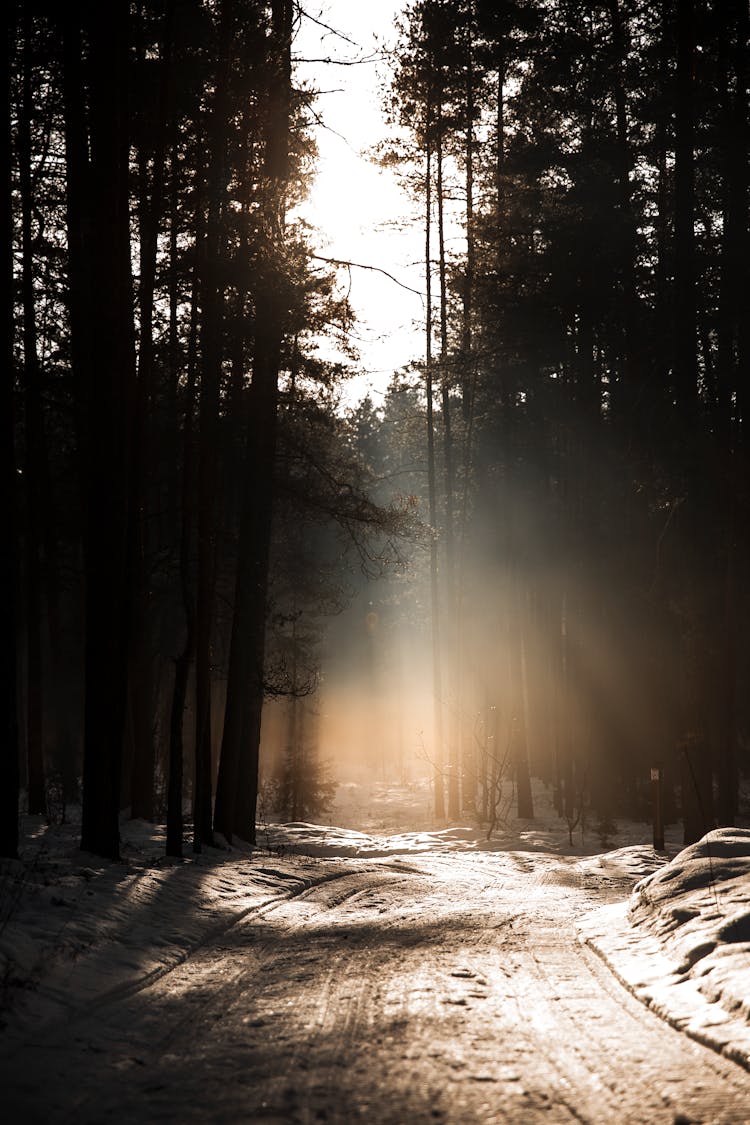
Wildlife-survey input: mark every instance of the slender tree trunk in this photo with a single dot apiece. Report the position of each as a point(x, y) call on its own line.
point(9, 771)
point(626, 265)
point(469, 377)
point(78, 290)
point(727, 750)
point(726, 325)
point(686, 314)
point(734, 270)
point(469, 279)
point(449, 476)
point(34, 453)
point(172, 487)
point(78, 217)
point(500, 145)
point(520, 755)
point(141, 665)
point(185, 659)
point(211, 341)
point(733, 288)
point(663, 306)
point(204, 606)
point(109, 408)
point(437, 664)
point(697, 774)
point(742, 71)
point(237, 788)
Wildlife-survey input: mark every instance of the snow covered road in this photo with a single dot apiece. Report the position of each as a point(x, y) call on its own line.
point(442, 987)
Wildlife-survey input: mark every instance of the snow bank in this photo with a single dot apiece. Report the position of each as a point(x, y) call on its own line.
point(682, 941)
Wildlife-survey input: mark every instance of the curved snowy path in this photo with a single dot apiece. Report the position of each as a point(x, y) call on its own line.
point(449, 988)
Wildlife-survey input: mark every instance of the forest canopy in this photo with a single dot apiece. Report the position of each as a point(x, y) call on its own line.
point(545, 521)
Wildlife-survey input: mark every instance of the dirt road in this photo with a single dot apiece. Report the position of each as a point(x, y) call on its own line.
point(449, 988)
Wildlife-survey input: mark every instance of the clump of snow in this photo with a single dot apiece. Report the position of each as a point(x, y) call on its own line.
point(682, 941)
point(699, 907)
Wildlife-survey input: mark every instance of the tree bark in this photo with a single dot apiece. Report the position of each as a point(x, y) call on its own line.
point(185, 658)
point(34, 453)
point(109, 408)
point(78, 218)
point(686, 314)
point(519, 743)
point(437, 663)
point(469, 381)
point(742, 71)
point(237, 787)
point(734, 243)
point(9, 765)
point(626, 264)
point(211, 356)
point(662, 305)
point(454, 806)
point(142, 695)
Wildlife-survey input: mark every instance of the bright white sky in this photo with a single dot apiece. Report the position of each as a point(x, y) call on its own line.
point(356, 205)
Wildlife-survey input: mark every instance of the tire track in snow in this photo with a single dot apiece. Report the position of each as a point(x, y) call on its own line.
point(76, 1015)
point(199, 989)
point(453, 993)
point(603, 1040)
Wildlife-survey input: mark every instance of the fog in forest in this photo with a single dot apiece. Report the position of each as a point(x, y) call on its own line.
point(374, 620)
point(542, 669)
point(238, 577)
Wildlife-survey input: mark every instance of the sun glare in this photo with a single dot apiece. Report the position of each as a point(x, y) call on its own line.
point(356, 206)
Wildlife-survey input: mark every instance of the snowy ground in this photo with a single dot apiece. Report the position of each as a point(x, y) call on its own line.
point(378, 974)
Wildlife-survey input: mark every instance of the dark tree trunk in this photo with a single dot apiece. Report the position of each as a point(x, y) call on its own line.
point(78, 290)
point(142, 696)
point(78, 216)
point(454, 798)
point(211, 355)
point(237, 787)
point(437, 661)
point(500, 146)
point(742, 71)
point(686, 313)
point(627, 249)
point(468, 395)
point(9, 771)
point(696, 785)
point(734, 277)
point(519, 744)
point(732, 293)
point(34, 453)
point(662, 304)
point(731, 243)
point(109, 408)
point(185, 659)
point(728, 778)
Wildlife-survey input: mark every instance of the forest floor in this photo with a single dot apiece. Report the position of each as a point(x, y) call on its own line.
point(381, 976)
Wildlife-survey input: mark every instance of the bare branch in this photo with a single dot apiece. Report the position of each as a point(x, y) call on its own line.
point(362, 266)
point(329, 61)
point(327, 27)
